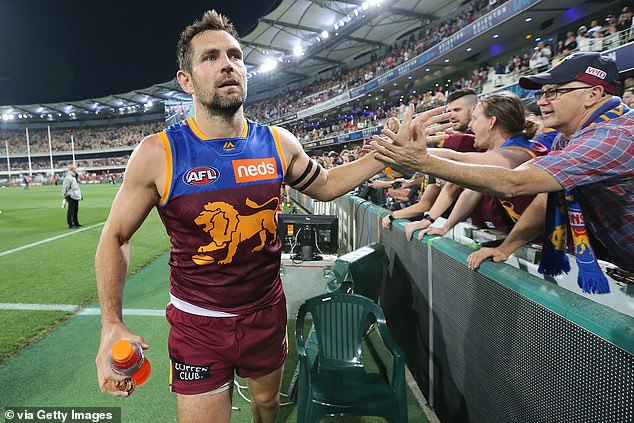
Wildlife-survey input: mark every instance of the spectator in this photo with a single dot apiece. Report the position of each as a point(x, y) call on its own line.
point(71, 191)
point(592, 160)
point(625, 19)
point(541, 57)
point(570, 43)
point(460, 105)
point(595, 29)
point(628, 97)
point(504, 135)
point(545, 136)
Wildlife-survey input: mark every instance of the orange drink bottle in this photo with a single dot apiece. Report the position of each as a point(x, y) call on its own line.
point(127, 359)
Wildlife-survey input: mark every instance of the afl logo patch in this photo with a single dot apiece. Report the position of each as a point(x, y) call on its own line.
point(201, 176)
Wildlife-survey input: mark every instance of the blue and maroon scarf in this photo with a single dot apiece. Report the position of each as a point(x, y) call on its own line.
point(562, 210)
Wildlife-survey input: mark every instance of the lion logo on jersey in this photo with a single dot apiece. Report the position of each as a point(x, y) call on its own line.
point(228, 229)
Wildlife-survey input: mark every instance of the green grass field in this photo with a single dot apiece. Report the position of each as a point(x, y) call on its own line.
point(60, 271)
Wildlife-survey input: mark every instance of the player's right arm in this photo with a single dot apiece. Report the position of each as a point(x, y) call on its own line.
point(140, 191)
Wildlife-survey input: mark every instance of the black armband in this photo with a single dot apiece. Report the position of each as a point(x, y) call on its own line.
point(303, 175)
point(311, 180)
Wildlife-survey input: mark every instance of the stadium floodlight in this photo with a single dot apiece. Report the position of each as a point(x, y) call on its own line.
point(365, 5)
point(268, 66)
point(298, 51)
point(325, 34)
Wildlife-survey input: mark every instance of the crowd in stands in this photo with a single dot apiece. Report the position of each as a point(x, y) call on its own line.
point(44, 164)
point(92, 138)
point(538, 59)
point(365, 114)
point(343, 80)
point(604, 33)
point(398, 197)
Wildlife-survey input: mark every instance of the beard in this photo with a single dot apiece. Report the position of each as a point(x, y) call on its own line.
point(217, 105)
point(462, 127)
point(224, 106)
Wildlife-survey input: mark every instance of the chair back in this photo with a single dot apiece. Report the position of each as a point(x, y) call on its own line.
point(340, 322)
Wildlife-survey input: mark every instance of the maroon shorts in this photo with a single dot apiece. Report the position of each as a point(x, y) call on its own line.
point(205, 351)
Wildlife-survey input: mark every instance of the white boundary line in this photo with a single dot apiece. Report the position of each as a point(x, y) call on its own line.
point(24, 247)
point(126, 312)
point(73, 308)
point(39, 307)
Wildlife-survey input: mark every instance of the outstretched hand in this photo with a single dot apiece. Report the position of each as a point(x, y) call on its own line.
point(408, 146)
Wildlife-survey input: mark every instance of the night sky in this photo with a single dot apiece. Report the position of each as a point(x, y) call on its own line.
point(55, 51)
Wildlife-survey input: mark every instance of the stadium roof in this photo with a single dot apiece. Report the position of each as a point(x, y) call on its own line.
point(292, 23)
point(354, 27)
point(137, 101)
point(312, 36)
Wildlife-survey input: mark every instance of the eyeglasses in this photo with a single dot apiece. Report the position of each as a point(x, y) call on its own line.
point(552, 93)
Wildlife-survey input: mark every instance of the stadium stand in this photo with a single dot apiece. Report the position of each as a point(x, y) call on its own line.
point(333, 113)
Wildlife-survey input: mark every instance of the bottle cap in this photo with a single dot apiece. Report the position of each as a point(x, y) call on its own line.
point(122, 350)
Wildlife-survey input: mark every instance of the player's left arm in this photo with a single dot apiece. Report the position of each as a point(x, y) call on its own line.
point(307, 176)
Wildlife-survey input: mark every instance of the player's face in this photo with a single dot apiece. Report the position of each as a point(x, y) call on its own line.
point(218, 72)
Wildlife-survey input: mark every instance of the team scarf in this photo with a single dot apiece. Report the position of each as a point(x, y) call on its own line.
point(563, 208)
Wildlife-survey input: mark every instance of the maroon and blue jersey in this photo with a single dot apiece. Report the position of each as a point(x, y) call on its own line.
point(219, 207)
point(502, 213)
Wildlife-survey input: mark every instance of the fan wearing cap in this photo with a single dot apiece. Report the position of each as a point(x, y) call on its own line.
point(592, 159)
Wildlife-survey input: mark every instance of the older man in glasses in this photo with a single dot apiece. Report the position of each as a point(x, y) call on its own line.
point(589, 174)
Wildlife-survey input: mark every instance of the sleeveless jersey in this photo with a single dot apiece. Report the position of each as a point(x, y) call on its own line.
point(502, 213)
point(219, 207)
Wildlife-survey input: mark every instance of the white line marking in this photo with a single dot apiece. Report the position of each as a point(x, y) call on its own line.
point(39, 307)
point(73, 308)
point(74, 231)
point(126, 312)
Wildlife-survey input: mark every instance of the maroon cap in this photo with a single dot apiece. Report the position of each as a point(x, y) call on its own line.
point(591, 68)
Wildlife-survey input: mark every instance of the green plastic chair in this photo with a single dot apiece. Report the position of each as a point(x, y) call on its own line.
point(335, 383)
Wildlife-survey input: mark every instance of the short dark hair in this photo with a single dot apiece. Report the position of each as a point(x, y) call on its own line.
point(462, 92)
point(211, 21)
